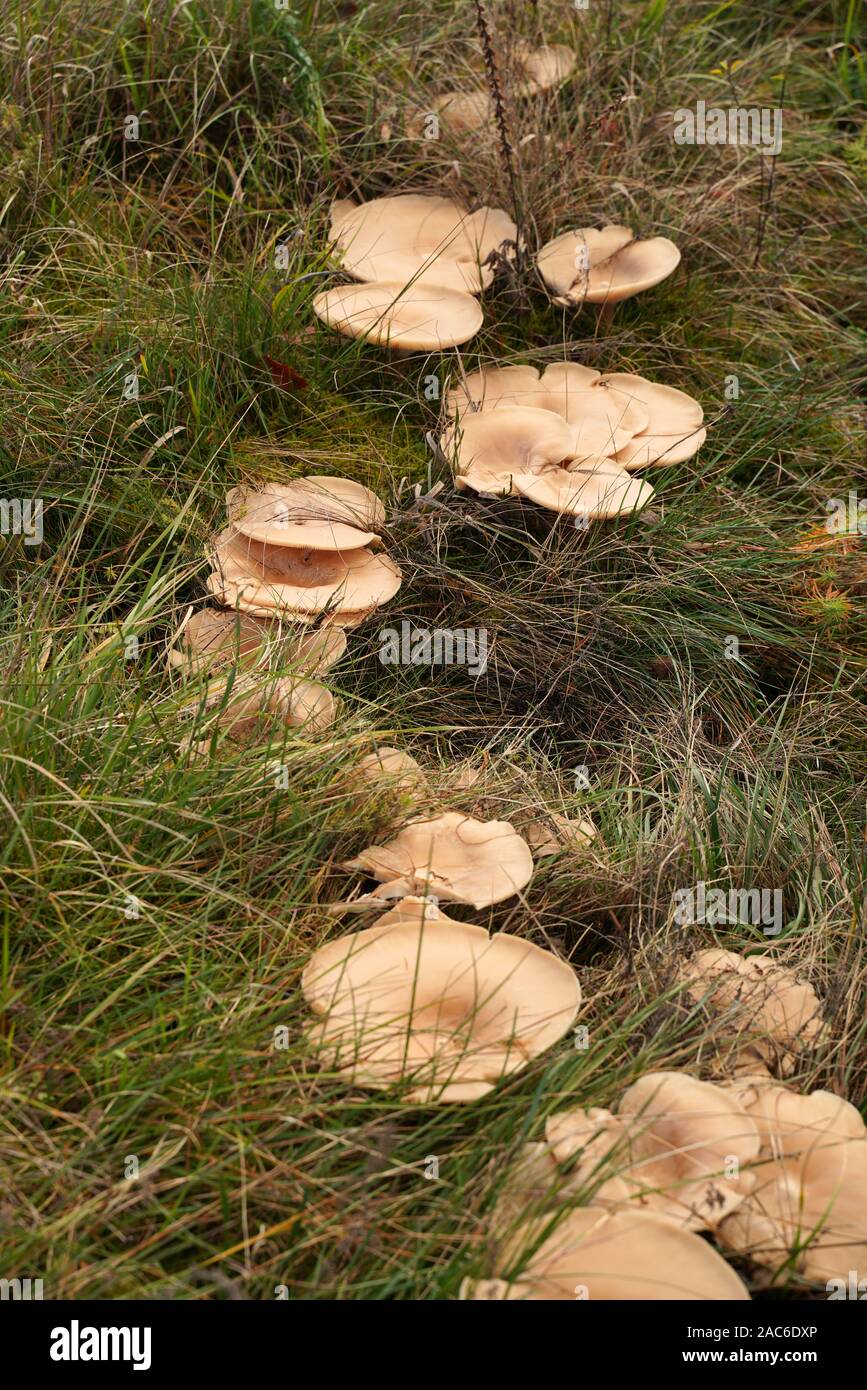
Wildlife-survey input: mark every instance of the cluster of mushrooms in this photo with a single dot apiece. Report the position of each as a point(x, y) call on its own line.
point(610, 1203)
point(536, 70)
point(616, 1203)
point(298, 563)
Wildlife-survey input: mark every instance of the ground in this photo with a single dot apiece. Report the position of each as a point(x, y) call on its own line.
point(156, 1139)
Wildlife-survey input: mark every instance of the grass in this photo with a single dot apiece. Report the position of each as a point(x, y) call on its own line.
point(158, 909)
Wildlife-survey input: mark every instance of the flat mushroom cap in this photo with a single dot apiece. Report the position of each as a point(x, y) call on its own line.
point(298, 703)
point(544, 66)
point(596, 488)
point(414, 317)
point(670, 1149)
point(278, 577)
point(627, 1255)
point(460, 112)
point(663, 449)
point(423, 240)
point(808, 1211)
point(491, 448)
point(214, 639)
point(392, 768)
point(674, 431)
point(619, 265)
point(314, 513)
point(551, 832)
point(492, 387)
point(782, 1011)
point(453, 856)
point(437, 1003)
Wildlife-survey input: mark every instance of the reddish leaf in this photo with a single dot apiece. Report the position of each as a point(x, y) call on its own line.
point(285, 376)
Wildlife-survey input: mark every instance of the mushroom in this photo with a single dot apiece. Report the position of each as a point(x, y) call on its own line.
point(437, 1004)
point(544, 67)
point(411, 317)
point(808, 1211)
point(629, 1255)
point(314, 513)
point(392, 768)
point(455, 857)
point(604, 266)
point(211, 639)
point(617, 414)
point(597, 489)
point(459, 112)
point(278, 578)
point(782, 1014)
point(677, 1146)
point(551, 832)
point(296, 702)
point(421, 240)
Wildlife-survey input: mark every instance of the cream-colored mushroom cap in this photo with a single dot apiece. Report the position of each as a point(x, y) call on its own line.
point(212, 639)
point(419, 239)
point(551, 832)
point(598, 489)
point(678, 1146)
point(454, 857)
point(674, 430)
point(492, 448)
point(392, 768)
point(459, 112)
point(315, 513)
point(545, 66)
point(303, 580)
point(808, 1211)
point(438, 1004)
point(413, 317)
point(296, 702)
point(606, 1256)
point(493, 387)
point(618, 266)
point(235, 597)
point(782, 1014)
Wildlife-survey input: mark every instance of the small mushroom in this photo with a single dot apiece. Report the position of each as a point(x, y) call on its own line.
point(437, 1004)
point(544, 66)
point(313, 513)
point(314, 581)
point(393, 769)
point(604, 266)
point(454, 857)
point(782, 1015)
point(552, 832)
point(408, 317)
point(808, 1211)
point(626, 1255)
point(420, 240)
point(677, 1146)
point(459, 112)
point(212, 639)
point(298, 703)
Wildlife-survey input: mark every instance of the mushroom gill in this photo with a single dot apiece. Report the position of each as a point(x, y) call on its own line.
point(435, 1004)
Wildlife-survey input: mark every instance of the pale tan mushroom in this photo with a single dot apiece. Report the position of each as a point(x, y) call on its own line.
point(600, 1255)
point(781, 1015)
point(236, 597)
point(437, 1004)
point(604, 267)
point(544, 66)
point(454, 857)
point(459, 112)
point(421, 240)
point(680, 1147)
point(807, 1214)
point(406, 317)
point(597, 489)
point(312, 513)
point(551, 832)
point(312, 581)
point(393, 769)
point(244, 703)
point(616, 414)
point(211, 639)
